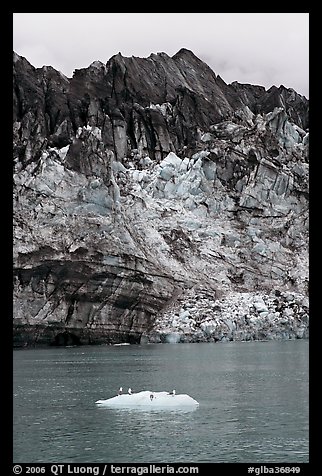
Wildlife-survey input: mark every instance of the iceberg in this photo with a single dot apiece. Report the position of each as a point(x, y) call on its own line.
point(148, 399)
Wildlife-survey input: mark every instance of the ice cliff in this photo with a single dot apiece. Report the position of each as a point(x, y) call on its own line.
point(154, 202)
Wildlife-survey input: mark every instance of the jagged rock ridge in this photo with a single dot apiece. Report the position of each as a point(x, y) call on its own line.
point(143, 180)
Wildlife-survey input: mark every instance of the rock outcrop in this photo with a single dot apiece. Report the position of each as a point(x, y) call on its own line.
point(146, 181)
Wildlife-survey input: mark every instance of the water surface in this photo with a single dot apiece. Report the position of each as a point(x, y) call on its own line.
point(253, 400)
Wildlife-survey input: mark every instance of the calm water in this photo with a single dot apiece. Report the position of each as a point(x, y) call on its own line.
point(253, 403)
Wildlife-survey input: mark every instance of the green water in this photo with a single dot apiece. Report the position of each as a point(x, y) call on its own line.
point(253, 403)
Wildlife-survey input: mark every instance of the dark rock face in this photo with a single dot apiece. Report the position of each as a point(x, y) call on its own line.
point(96, 302)
point(137, 179)
point(116, 98)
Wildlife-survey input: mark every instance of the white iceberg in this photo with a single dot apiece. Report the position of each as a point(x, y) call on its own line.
point(148, 399)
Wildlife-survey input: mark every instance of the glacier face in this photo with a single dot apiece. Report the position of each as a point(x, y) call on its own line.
point(168, 214)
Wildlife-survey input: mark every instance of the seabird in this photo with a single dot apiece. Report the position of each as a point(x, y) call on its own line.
point(120, 391)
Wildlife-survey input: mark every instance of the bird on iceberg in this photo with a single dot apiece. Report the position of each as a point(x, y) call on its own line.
point(129, 391)
point(172, 393)
point(120, 390)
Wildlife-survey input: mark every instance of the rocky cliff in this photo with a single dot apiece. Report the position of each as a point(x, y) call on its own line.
point(153, 200)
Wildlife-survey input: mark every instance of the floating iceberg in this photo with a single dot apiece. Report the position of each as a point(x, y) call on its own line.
point(151, 400)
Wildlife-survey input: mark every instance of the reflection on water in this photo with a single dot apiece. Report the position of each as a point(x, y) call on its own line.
point(253, 403)
point(142, 409)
